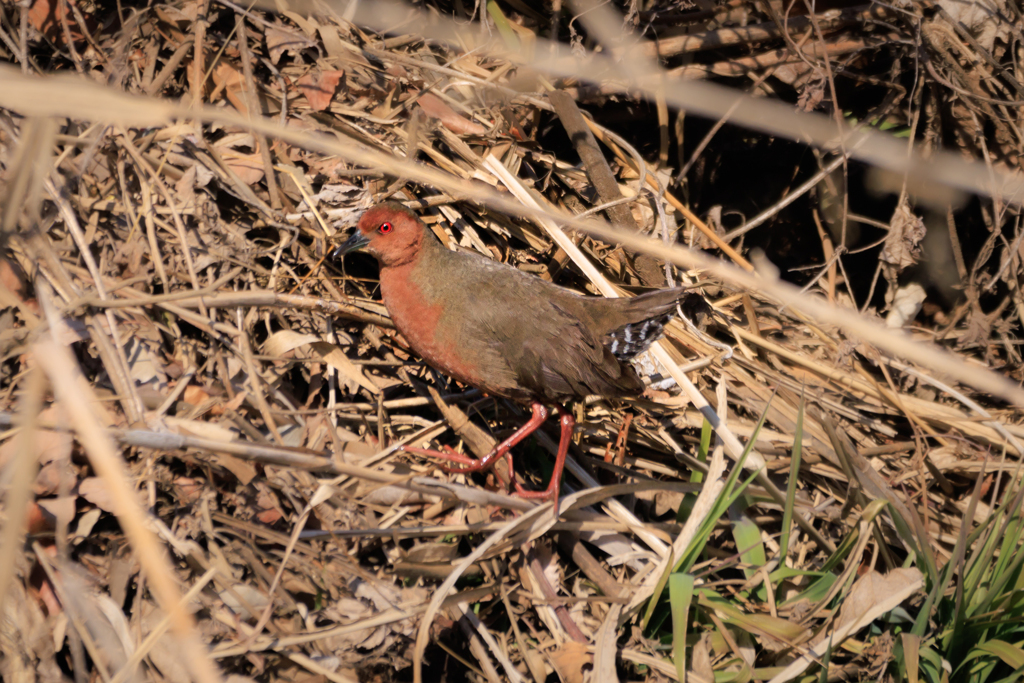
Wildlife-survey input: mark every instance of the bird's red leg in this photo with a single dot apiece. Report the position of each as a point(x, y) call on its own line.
point(540, 413)
point(568, 424)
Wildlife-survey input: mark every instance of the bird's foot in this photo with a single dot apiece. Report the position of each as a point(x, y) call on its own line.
point(503, 450)
point(554, 486)
point(550, 493)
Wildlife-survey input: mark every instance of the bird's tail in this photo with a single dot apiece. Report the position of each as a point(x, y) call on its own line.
point(634, 324)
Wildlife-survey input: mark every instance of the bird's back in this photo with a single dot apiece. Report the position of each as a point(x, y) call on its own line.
point(515, 335)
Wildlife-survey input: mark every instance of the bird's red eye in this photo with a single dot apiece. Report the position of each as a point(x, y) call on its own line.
point(385, 228)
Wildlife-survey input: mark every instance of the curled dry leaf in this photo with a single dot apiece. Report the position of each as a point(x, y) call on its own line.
point(38, 520)
point(187, 489)
point(194, 395)
point(52, 449)
point(903, 245)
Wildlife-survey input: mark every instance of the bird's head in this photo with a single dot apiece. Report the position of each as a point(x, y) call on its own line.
point(390, 231)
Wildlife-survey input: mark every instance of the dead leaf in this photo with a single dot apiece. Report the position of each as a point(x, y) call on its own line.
point(434, 107)
point(85, 525)
point(243, 470)
point(253, 598)
point(432, 552)
point(145, 361)
point(284, 341)
point(875, 594)
point(570, 660)
point(269, 505)
point(229, 79)
point(872, 596)
point(187, 490)
point(60, 509)
point(700, 659)
point(48, 480)
point(194, 396)
point(978, 330)
point(663, 500)
point(48, 17)
point(903, 245)
point(49, 447)
point(281, 40)
point(812, 89)
point(38, 519)
point(248, 167)
point(985, 19)
point(13, 277)
point(319, 89)
point(95, 491)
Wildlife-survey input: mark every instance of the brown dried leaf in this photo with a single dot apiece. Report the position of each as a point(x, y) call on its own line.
point(570, 660)
point(248, 167)
point(874, 594)
point(194, 395)
point(60, 509)
point(229, 79)
point(95, 491)
point(38, 520)
point(319, 89)
point(700, 659)
point(281, 40)
point(903, 245)
point(434, 107)
point(50, 446)
point(13, 277)
point(432, 552)
point(812, 90)
point(985, 20)
point(187, 489)
point(284, 341)
point(243, 470)
point(49, 16)
point(979, 327)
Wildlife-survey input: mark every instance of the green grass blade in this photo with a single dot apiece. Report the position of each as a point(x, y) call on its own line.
point(794, 476)
point(680, 595)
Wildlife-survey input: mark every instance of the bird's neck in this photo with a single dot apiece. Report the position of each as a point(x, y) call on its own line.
point(408, 286)
point(416, 262)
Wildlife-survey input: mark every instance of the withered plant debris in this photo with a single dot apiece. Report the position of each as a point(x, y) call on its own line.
point(255, 390)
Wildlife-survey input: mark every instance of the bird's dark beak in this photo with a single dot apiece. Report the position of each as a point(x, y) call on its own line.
point(354, 242)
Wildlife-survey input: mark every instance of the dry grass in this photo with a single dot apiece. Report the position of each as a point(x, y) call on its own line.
point(201, 469)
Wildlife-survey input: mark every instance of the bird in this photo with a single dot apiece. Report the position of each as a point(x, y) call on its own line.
point(506, 332)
